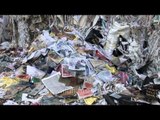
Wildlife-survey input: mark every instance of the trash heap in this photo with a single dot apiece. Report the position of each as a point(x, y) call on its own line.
point(115, 61)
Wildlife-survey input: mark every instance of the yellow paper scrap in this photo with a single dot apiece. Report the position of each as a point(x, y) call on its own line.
point(52, 34)
point(111, 69)
point(76, 37)
point(8, 81)
point(90, 100)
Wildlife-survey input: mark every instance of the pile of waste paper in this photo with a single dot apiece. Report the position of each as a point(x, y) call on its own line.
point(113, 60)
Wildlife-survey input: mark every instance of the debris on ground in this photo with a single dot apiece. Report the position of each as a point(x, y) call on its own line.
point(110, 60)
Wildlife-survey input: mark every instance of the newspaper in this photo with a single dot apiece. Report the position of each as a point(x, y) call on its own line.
point(62, 48)
point(53, 85)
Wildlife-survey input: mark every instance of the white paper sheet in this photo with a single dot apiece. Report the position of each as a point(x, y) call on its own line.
point(34, 72)
point(53, 85)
